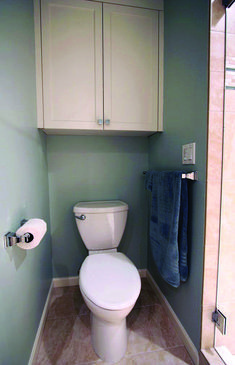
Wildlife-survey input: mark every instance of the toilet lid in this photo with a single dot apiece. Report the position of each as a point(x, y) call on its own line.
point(110, 280)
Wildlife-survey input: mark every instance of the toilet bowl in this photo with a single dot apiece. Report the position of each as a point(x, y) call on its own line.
point(109, 282)
point(110, 285)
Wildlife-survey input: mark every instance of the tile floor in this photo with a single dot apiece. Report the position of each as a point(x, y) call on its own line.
point(66, 338)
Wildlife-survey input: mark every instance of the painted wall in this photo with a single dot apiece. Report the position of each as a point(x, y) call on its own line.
point(25, 276)
point(96, 168)
point(185, 121)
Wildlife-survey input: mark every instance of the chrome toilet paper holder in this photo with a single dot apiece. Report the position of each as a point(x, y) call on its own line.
point(11, 238)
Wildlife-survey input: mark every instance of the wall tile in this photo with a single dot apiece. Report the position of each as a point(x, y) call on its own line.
point(230, 100)
point(207, 327)
point(216, 91)
point(210, 276)
point(231, 20)
point(215, 140)
point(228, 218)
point(230, 51)
point(229, 146)
point(217, 51)
point(226, 277)
point(230, 78)
point(213, 211)
point(228, 340)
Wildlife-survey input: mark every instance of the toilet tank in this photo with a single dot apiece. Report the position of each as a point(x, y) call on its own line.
point(101, 223)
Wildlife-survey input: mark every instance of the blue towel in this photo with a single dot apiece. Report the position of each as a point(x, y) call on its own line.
point(168, 224)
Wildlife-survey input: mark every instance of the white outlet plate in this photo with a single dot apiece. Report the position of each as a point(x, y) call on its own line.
point(188, 154)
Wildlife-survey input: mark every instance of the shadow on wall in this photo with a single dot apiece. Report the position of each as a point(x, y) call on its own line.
point(66, 234)
point(218, 12)
point(17, 255)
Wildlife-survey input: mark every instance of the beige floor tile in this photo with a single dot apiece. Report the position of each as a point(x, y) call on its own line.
point(66, 337)
point(66, 341)
point(147, 296)
point(174, 356)
point(67, 301)
point(150, 329)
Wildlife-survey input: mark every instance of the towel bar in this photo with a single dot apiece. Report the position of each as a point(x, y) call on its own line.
point(189, 175)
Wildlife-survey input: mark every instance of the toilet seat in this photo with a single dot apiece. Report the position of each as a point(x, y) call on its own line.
point(110, 280)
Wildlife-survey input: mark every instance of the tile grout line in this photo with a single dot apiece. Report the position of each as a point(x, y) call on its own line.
point(129, 357)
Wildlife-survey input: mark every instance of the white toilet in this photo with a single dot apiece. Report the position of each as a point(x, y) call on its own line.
point(109, 281)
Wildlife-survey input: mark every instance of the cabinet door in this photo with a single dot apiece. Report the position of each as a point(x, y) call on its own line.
point(72, 64)
point(130, 68)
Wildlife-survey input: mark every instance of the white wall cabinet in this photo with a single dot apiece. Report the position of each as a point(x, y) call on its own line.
point(99, 68)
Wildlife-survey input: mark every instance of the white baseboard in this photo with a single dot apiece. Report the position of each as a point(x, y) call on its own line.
point(143, 273)
point(68, 281)
point(40, 327)
point(177, 324)
point(74, 280)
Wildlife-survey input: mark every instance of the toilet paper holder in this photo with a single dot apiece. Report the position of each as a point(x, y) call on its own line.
point(11, 239)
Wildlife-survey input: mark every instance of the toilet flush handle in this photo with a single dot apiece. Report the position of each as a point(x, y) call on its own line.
point(82, 217)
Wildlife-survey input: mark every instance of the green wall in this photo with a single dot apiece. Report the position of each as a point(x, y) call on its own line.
point(25, 276)
point(87, 168)
point(96, 168)
point(185, 121)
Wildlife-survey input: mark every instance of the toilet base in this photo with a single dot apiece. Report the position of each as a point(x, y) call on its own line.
point(109, 339)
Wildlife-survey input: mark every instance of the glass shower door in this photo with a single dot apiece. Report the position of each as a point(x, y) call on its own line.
point(225, 343)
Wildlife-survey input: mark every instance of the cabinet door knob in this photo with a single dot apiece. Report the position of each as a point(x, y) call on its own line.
point(107, 121)
point(100, 121)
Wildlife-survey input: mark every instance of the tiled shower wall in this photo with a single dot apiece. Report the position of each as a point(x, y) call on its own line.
point(221, 115)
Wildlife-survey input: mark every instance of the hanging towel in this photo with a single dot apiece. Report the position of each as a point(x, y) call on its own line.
point(168, 224)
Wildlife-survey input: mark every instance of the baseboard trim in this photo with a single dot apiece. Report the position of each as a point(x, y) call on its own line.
point(40, 327)
point(143, 273)
point(67, 281)
point(74, 280)
point(178, 325)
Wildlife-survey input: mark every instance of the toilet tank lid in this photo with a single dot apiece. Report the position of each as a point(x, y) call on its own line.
point(101, 206)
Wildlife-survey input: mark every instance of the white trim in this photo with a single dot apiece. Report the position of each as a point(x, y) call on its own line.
point(38, 63)
point(160, 71)
point(147, 4)
point(40, 327)
point(67, 281)
point(143, 273)
point(177, 324)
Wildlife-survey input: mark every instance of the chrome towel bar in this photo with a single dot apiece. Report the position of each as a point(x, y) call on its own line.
point(189, 175)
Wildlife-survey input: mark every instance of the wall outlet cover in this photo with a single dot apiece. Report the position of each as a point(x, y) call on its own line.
point(189, 154)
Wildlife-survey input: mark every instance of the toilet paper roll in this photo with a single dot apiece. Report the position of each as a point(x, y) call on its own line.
point(36, 227)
